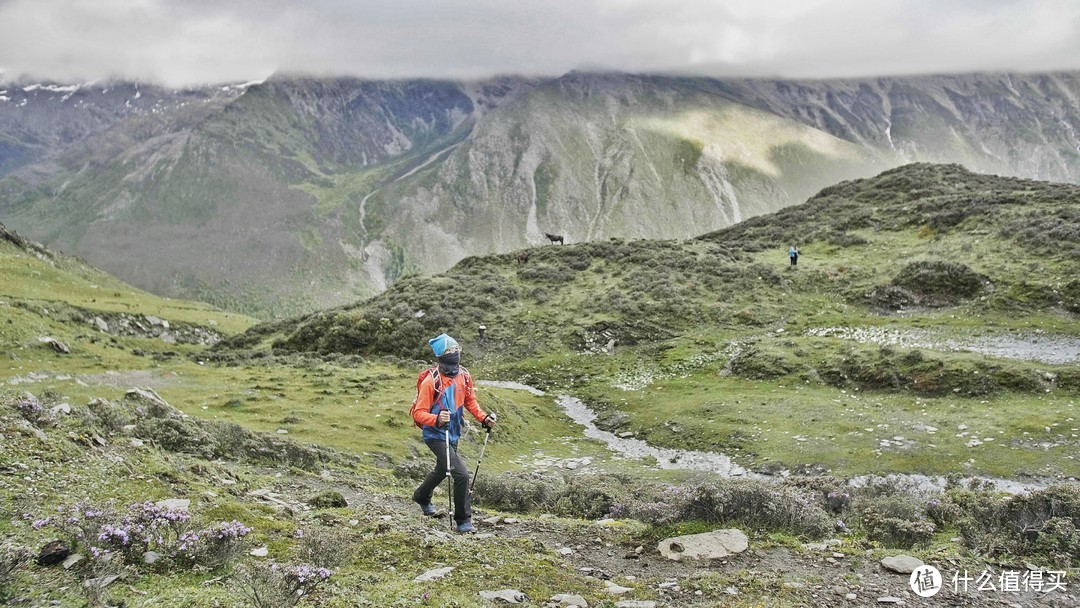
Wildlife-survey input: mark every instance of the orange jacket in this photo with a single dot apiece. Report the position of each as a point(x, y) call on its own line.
point(455, 394)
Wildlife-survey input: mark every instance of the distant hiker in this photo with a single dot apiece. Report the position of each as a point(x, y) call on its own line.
point(793, 253)
point(440, 400)
point(554, 238)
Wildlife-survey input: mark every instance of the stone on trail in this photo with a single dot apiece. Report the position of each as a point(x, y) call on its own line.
point(901, 564)
point(433, 575)
point(613, 589)
point(510, 596)
point(565, 600)
point(635, 604)
point(888, 599)
point(709, 545)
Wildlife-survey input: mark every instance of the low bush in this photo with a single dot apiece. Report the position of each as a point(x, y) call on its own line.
point(939, 282)
point(275, 586)
point(1040, 523)
point(328, 499)
point(518, 492)
point(98, 530)
point(325, 547)
point(895, 521)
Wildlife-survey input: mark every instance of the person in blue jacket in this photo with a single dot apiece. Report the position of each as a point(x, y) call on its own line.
point(441, 399)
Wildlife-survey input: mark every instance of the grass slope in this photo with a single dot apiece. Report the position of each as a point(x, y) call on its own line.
point(718, 345)
point(696, 350)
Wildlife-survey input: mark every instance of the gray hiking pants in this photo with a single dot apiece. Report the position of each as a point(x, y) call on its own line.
point(422, 495)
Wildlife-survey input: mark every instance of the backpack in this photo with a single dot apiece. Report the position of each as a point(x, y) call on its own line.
point(433, 371)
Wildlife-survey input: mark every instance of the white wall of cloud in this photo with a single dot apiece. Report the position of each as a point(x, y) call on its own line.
point(199, 41)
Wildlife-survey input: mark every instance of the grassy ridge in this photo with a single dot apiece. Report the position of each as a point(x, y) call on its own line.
point(710, 325)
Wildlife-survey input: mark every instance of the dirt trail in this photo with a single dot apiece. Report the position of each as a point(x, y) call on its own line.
point(814, 575)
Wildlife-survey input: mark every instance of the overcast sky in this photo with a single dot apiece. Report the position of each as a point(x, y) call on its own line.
point(202, 41)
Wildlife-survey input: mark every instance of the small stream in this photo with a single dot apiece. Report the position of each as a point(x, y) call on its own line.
point(714, 462)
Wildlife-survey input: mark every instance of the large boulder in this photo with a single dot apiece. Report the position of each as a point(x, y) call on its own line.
point(54, 552)
point(901, 564)
point(709, 545)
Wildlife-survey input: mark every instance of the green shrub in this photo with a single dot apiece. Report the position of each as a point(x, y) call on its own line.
point(328, 499)
point(518, 492)
point(940, 283)
point(895, 521)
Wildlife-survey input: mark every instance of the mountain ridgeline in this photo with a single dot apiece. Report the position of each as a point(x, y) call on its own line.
point(298, 193)
point(937, 241)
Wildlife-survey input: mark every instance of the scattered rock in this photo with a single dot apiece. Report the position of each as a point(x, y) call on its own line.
point(151, 557)
point(63, 408)
point(154, 404)
point(566, 551)
point(511, 520)
point(72, 561)
point(510, 596)
point(30, 429)
point(565, 600)
point(56, 345)
point(260, 552)
point(136, 443)
point(613, 589)
point(100, 583)
point(635, 604)
point(101, 324)
point(54, 552)
point(175, 504)
point(491, 521)
point(888, 599)
point(710, 545)
point(851, 596)
point(433, 575)
point(901, 564)
point(794, 585)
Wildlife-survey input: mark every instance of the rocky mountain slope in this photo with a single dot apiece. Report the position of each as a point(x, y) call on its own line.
point(299, 193)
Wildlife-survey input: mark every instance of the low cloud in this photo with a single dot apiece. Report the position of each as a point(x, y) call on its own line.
point(198, 41)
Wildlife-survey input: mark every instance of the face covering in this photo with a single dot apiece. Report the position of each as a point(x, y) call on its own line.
point(449, 364)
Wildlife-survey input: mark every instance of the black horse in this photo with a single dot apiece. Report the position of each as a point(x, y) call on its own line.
point(554, 238)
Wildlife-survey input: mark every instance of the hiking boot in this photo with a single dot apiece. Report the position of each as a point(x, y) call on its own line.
point(428, 509)
point(466, 527)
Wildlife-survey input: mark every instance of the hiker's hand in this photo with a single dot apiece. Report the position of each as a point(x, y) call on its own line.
point(489, 421)
point(444, 417)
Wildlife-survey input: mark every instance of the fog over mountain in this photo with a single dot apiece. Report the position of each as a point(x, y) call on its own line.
point(201, 41)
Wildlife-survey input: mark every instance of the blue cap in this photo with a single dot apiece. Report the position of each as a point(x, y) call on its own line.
point(443, 344)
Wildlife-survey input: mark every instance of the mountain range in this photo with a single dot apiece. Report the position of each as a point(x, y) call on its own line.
point(299, 193)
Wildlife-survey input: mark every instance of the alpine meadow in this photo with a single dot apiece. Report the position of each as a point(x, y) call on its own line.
point(904, 394)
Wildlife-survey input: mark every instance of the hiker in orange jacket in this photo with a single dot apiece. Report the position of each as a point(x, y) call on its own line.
point(441, 399)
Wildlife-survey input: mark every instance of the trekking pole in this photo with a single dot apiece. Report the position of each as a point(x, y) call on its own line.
point(449, 482)
point(479, 460)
